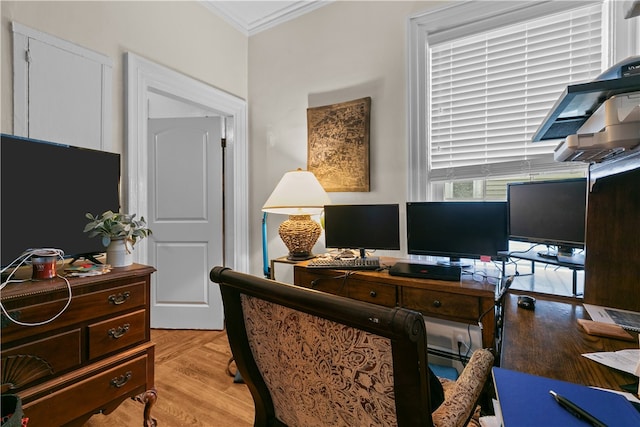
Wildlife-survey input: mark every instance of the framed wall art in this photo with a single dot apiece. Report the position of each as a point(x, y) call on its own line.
point(338, 145)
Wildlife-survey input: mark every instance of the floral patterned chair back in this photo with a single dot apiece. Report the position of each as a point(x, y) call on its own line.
point(314, 359)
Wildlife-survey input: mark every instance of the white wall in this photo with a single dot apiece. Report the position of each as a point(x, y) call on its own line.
point(182, 35)
point(340, 52)
point(343, 51)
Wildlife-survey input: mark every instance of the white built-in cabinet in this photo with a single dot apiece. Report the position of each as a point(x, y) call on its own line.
point(61, 91)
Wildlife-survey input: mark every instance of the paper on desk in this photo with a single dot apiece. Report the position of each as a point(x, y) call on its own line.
point(623, 360)
point(629, 396)
point(629, 320)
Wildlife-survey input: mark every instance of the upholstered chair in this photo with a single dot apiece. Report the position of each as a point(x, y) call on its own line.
point(314, 359)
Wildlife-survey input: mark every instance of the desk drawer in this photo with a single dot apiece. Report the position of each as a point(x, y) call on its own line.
point(329, 285)
point(116, 333)
point(34, 361)
point(327, 281)
point(115, 300)
point(344, 284)
point(441, 303)
point(88, 394)
point(376, 293)
point(87, 306)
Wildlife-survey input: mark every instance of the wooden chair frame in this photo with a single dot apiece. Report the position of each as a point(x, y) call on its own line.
point(405, 328)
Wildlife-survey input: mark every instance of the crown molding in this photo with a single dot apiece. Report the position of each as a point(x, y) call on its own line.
point(271, 13)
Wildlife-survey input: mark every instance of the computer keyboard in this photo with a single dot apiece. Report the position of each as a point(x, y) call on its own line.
point(346, 264)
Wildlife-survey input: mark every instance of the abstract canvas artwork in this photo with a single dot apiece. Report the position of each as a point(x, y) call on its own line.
point(338, 145)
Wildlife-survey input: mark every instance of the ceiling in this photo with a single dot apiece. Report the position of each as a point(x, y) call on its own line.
point(251, 17)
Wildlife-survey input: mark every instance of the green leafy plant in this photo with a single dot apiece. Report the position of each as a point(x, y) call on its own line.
point(111, 226)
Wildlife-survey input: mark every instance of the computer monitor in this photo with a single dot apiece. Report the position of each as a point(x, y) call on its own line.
point(362, 227)
point(457, 230)
point(47, 189)
point(549, 212)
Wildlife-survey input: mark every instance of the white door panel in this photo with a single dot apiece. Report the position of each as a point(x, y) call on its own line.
point(185, 214)
point(74, 117)
point(189, 258)
point(62, 91)
point(181, 188)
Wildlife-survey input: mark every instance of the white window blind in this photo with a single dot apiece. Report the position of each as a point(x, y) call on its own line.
point(489, 92)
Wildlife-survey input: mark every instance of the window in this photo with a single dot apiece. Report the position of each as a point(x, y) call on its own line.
point(494, 189)
point(483, 76)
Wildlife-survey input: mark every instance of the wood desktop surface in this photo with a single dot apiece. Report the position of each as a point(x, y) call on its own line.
point(549, 342)
point(466, 285)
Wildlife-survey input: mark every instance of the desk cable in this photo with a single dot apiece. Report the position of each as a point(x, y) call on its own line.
point(22, 259)
point(344, 276)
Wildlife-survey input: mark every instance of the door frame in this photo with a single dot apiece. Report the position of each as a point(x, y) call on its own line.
point(144, 77)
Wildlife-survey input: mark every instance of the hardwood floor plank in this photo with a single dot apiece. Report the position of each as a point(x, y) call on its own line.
point(193, 386)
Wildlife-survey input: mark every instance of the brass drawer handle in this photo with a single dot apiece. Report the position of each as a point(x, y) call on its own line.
point(120, 381)
point(373, 294)
point(121, 298)
point(437, 303)
point(119, 331)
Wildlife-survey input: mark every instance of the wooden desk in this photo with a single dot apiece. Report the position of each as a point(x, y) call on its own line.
point(467, 301)
point(549, 342)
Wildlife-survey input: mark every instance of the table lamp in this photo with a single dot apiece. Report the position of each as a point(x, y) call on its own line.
point(299, 194)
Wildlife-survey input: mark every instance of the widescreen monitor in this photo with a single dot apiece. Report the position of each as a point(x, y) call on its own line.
point(47, 189)
point(552, 213)
point(362, 227)
point(456, 230)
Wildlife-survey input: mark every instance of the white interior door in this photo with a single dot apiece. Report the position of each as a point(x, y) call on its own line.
point(185, 214)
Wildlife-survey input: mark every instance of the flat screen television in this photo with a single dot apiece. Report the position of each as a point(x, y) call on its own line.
point(457, 230)
point(46, 189)
point(362, 227)
point(552, 213)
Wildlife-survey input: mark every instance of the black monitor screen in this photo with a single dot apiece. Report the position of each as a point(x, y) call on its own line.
point(548, 212)
point(457, 229)
point(46, 191)
point(362, 226)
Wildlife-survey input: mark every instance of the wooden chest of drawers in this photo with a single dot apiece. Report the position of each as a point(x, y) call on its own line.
point(89, 358)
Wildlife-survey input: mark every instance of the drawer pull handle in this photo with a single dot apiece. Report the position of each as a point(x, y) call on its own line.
point(437, 303)
point(121, 298)
point(120, 381)
point(119, 331)
point(373, 294)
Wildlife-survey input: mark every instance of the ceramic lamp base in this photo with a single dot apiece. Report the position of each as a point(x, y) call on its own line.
point(299, 233)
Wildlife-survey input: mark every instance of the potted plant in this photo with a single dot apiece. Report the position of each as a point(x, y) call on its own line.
point(119, 233)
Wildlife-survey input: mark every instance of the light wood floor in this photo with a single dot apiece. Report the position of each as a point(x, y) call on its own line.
point(193, 386)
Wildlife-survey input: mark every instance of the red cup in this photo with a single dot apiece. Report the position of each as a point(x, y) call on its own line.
point(44, 267)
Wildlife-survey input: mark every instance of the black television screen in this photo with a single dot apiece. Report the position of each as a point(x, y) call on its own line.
point(362, 227)
point(457, 230)
point(47, 189)
point(549, 212)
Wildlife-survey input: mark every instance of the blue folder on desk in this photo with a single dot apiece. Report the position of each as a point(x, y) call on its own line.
point(524, 400)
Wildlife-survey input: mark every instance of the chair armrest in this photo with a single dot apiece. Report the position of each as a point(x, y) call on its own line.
point(460, 399)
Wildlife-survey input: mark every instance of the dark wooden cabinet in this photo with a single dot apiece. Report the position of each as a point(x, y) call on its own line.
point(612, 263)
point(87, 360)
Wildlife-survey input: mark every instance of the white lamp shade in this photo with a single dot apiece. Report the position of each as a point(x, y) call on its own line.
point(298, 193)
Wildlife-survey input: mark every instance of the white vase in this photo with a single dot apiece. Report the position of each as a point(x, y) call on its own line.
point(118, 255)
